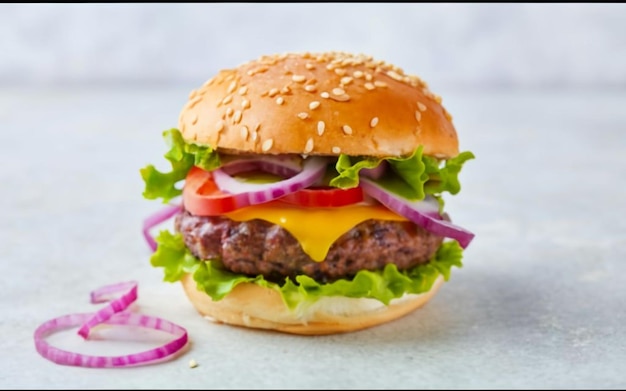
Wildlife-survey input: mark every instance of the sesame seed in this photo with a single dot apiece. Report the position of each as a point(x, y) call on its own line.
point(285, 90)
point(309, 66)
point(193, 94)
point(298, 78)
point(229, 111)
point(273, 92)
point(310, 88)
point(336, 150)
point(418, 115)
point(341, 98)
point(267, 145)
point(219, 126)
point(374, 122)
point(369, 86)
point(280, 100)
point(368, 77)
point(314, 105)
point(308, 147)
point(194, 118)
point(195, 101)
point(325, 95)
point(192, 363)
point(255, 132)
point(237, 117)
point(338, 91)
point(245, 103)
point(320, 127)
point(243, 90)
point(227, 100)
point(357, 74)
point(346, 80)
point(244, 132)
point(421, 106)
point(208, 82)
point(303, 115)
point(346, 129)
point(340, 71)
point(232, 87)
point(394, 75)
point(379, 83)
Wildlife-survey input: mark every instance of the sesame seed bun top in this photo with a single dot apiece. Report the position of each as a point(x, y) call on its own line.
point(318, 104)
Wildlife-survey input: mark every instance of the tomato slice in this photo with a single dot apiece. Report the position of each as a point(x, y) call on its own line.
point(202, 197)
point(323, 196)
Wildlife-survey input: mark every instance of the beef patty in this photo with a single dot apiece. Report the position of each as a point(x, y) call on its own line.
point(259, 247)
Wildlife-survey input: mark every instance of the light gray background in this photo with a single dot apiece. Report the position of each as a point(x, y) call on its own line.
point(475, 45)
point(537, 93)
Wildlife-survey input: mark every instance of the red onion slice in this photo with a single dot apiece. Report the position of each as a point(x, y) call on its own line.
point(156, 219)
point(115, 306)
point(150, 356)
point(423, 213)
point(112, 314)
point(313, 169)
point(281, 165)
point(375, 172)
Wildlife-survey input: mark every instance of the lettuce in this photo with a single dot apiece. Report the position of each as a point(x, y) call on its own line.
point(445, 178)
point(412, 177)
point(383, 285)
point(182, 157)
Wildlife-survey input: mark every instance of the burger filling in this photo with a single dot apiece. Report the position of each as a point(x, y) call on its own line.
point(257, 247)
point(357, 226)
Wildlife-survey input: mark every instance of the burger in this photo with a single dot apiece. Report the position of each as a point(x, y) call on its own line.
point(307, 193)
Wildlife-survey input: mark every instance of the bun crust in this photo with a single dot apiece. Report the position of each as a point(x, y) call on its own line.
point(318, 104)
point(250, 305)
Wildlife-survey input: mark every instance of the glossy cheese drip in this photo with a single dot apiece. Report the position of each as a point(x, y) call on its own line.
point(315, 228)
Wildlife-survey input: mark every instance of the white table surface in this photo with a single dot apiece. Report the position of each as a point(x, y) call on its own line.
point(540, 302)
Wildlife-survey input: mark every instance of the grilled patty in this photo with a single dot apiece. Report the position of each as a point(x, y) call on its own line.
point(258, 247)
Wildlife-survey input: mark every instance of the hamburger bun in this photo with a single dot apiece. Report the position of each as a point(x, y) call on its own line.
point(318, 104)
point(250, 305)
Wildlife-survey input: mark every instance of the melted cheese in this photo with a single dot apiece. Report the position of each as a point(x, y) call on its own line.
point(315, 228)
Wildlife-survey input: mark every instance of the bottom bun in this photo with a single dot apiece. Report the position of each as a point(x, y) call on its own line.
point(254, 306)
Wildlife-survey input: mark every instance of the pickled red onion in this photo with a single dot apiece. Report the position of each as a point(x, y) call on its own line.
point(423, 213)
point(313, 169)
point(158, 218)
point(281, 165)
point(113, 314)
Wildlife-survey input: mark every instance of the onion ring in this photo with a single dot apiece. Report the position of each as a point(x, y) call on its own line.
point(423, 213)
point(156, 219)
point(313, 169)
point(113, 314)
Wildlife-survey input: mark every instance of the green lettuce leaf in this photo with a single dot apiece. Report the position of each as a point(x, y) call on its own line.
point(412, 177)
point(348, 170)
point(182, 156)
point(383, 285)
point(445, 178)
point(173, 256)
